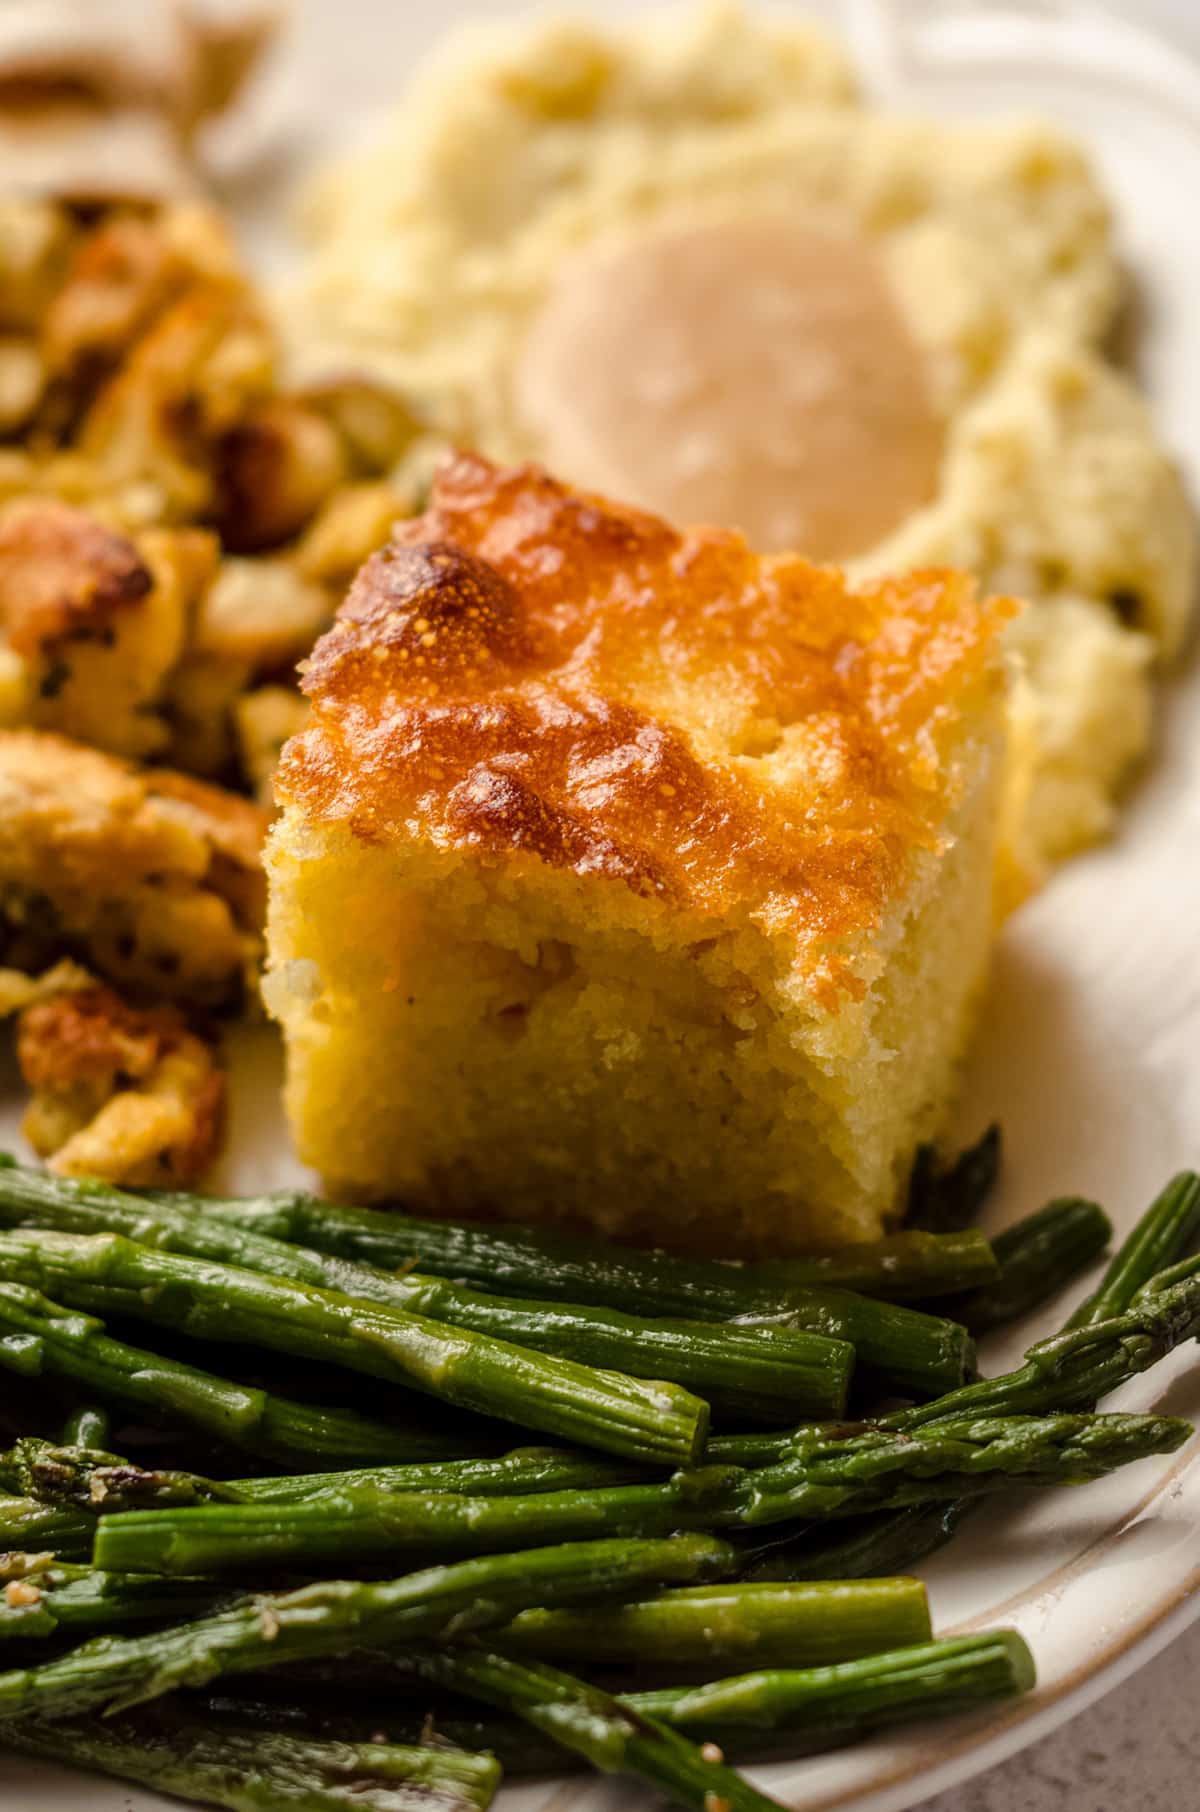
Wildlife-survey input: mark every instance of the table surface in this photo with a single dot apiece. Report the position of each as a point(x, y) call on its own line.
point(1137, 1750)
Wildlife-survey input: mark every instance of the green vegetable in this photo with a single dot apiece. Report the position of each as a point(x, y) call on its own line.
point(1070, 1370)
point(1167, 1228)
point(355, 1717)
point(1037, 1257)
point(529, 1261)
point(1079, 1367)
point(262, 1771)
point(54, 1596)
point(96, 1481)
point(862, 1547)
point(948, 1458)
point(656, 1422)
point(907, 1352)
point(767, 1625)
point(40, 1337)
point(821, 1478)
point(608, 1732)
point(357, 1526)
point(773, 1364)
point(26, 1524)
point(835, 1703)
point(950, 1200)
point(768, 1711)
point(115, 1672)
point(106, 1483)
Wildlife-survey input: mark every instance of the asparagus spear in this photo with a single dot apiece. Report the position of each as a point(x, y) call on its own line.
point(1085, 1371)
point(823, 1478)
point(87, 1426)
point(1168, 1226)
point(862, 1547)
point(1184, 1272)
point(42, 1596)
point(260, 1771)
point(25, 1524)
point(103, 1482)
point(93, 1480)
point(656, 1422)
point(909, 1266)
point(38, 1336)
point(355, 1718)
point(948, 1201)
point(778, 1367)
point(399, 1717)
point(852, 1697)
point(909, 1353)
point(762, 1448)
point(1037, 1257)
point(608, 1732)
point(325, 1619)
point(1077, 1368)
point(765, 1625)
point(357, 1526)
point(947, 1459)
point(770, 1373)
point(747, 1715)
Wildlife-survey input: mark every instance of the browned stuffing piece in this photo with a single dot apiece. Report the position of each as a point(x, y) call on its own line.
point(123, 1093)
point(175, 529)
point(150, 878)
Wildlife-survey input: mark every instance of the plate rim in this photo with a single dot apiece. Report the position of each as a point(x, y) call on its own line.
point(982, 1741)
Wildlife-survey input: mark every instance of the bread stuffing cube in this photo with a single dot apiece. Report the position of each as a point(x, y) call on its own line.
point(631, 881)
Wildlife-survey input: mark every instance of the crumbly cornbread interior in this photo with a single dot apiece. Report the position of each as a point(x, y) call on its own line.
point(631, 880)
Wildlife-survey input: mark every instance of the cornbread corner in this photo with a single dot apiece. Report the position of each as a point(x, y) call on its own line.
point(630, 880)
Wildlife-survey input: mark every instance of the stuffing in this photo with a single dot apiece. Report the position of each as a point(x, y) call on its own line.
point(126, 1094)
point(175, 530)
point(94, 622)
point(149, 877)
point(276, 466)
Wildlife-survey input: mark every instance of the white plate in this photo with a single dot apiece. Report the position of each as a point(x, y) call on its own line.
point(1088, 1054)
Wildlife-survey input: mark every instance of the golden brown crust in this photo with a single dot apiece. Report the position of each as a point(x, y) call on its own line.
point(129, 1094)
point(62, 573)
point(90, 1036)
point(120, 276)
point(526, 668)
point(150, 877)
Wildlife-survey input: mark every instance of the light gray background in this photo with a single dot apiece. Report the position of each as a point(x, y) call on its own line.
point(1138, 1749)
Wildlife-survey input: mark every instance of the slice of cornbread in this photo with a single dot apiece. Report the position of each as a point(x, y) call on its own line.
point(628, 879)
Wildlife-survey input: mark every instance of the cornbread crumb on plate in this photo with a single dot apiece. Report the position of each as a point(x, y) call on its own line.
point(627, 879)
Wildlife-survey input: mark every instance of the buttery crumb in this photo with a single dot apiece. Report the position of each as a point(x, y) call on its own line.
point(712, 1752)
point(18, 1593)
point(694, 997)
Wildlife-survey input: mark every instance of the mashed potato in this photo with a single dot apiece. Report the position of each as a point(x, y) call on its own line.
point(681, 264)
